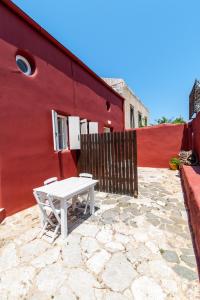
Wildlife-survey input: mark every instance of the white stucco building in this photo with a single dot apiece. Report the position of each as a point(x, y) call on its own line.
point(135, 112)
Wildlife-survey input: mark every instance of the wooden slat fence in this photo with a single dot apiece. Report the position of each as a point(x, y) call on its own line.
point(112, 159)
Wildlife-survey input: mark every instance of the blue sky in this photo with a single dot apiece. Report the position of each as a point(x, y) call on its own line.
point(153, 44)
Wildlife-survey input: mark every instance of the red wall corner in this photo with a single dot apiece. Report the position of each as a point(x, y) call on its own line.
point(157, 144)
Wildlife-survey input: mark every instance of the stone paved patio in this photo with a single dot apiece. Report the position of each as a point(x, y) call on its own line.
point(131, 249)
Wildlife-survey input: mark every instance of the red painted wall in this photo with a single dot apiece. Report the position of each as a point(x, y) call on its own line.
point(191, 186)
point(157, 144)
point(26, 148)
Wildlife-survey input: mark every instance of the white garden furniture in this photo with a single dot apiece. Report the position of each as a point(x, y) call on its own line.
point(63, 191)
point(50, 180)
point(85, 175)
point(49, 206)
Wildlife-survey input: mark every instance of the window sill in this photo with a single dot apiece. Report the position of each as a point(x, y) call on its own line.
point(63, 151)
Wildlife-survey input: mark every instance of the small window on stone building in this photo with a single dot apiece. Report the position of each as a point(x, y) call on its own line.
point(132, 119)
point(139, 119)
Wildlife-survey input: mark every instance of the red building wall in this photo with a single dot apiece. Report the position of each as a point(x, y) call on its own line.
point(60, 83)
point(157, 144)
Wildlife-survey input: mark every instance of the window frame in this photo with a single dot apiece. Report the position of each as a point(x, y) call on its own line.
point(70, 132)
point(28, 65)
point(140, 119)
point(65, 133)
point(132, 116)
point(55, 126)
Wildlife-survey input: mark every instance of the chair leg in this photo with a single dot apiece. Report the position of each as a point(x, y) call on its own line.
point(43, 230)
point(55, 233)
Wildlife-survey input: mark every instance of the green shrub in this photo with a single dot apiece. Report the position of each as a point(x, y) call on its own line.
point(175, 161)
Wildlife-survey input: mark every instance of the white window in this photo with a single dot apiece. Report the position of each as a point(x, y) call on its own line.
point(24, 65)
point(60, 131)
point(66, 132)
point(106, 129)
point(93, 127)
point(89, 127)
point(84, 126)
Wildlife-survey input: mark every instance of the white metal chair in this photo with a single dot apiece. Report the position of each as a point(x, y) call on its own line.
point(87, 200)
point(50, 209)
point(50, 180)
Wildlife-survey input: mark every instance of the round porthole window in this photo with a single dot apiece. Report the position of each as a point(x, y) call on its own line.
point(24, 65)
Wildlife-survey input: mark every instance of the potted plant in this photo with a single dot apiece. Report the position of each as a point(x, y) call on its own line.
point(174, 163)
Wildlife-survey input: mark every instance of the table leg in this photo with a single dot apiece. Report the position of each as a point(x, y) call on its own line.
point(64, 231)
point(91, 192)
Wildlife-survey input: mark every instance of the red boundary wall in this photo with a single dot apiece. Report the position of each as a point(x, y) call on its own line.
point(191, 186)
point(157, 144)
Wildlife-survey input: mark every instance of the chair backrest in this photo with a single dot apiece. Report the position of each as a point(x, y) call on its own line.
point(50, 180)
point(86, 175)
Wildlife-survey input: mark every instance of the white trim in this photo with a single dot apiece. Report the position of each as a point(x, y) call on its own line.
point(64, 132)
point(55, 129)
point(74, 132)
point(93, 127)
point(29, 70)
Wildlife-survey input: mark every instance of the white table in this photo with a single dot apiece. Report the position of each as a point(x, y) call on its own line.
point(64, 190)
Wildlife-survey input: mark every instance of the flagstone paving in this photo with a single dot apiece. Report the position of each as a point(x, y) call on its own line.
point(131, 249)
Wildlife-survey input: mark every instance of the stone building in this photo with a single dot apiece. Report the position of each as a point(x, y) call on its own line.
point(136, 113)
point(194, 99)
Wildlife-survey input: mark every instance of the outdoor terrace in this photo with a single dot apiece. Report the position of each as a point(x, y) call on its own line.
point(130, 249)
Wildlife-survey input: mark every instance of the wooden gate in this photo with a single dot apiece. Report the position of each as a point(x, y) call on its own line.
point(112, 159)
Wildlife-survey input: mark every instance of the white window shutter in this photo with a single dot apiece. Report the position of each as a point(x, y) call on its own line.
point(84, 126)
point(93, 127)
point(74, 133)
point(65, 133)
point(55, 129)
